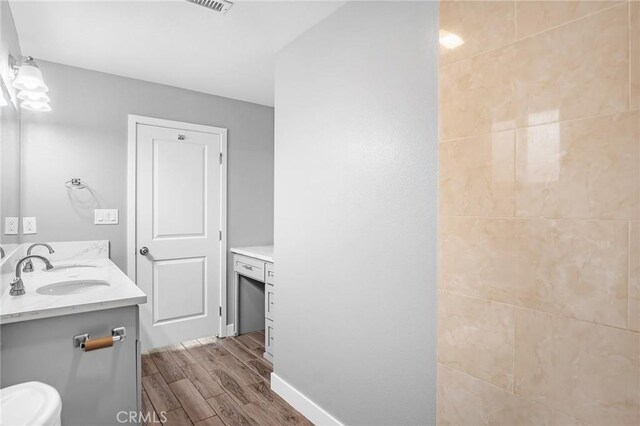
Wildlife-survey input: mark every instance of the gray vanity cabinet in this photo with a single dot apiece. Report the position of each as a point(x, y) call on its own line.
point(95, 385)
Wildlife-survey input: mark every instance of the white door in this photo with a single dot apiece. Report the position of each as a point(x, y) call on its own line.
point(178, 233)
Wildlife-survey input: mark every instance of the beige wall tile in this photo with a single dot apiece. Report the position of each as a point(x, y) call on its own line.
point(466, 401)
point(634, 54)
point(536, 16)
point(477, 95)
point(634, 276)
point(585, 168)
point(587, 370)
point(476, 336)
point(572, 267)
point(477, 175)
point(577, 70)
point(483, 25)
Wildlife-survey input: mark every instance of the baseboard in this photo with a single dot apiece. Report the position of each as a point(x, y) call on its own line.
point(231, 329)
point(300, 402)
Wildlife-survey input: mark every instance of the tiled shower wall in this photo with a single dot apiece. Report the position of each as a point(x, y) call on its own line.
point(539, 315)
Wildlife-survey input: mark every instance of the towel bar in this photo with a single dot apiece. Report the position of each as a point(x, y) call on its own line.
point(84, 342)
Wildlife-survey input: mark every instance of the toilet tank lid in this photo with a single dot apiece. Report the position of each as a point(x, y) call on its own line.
point(30, 403)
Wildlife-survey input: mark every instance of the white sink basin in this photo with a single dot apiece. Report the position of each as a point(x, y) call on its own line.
point(73, 287)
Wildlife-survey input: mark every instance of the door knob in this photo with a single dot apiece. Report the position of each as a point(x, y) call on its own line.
point(144, 250)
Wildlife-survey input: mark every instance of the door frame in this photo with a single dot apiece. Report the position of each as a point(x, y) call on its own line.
point(133, 121)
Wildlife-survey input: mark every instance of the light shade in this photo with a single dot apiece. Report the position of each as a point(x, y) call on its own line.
point(26, 95)
point(450, 40)
point(35, 106)
point(29, 77)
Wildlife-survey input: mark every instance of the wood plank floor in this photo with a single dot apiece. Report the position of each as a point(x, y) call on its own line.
point(213, 382)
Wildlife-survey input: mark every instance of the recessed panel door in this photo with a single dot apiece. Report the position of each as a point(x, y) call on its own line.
point(178, 205)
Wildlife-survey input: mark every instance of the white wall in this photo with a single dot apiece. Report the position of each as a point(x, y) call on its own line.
point(85, 136)
point(356, 213)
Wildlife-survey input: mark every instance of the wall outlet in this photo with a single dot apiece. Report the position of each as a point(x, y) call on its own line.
point(11, 225)
point(105, 216)
point(28, 225)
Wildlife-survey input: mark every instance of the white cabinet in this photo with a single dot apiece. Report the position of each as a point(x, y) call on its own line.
point(269, 302)
point(270, 274)
point(268, 337)
point(249, 267)
point(252, 262)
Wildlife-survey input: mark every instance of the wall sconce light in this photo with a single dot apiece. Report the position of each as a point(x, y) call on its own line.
point(28, 80)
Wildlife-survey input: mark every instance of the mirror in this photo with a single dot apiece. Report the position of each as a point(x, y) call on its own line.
point(9, 169)
point(10, 133)
point(10, 128)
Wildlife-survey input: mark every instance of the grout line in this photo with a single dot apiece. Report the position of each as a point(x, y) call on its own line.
point(513, 353)
point(630, 236)
point(560, 315)
point(516, 395)
point(516, 128)
point(580, 18)
point(474, 377)
point(515, 20)
point(261, 343)
point(170, 390)
point(546, 218)
point(629, 53)
point(477, 298)
point(515, 173)
point(253, 370)
point(518, 40)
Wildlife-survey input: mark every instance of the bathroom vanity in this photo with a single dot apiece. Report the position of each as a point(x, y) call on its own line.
point(256, 263)
point(85, 302)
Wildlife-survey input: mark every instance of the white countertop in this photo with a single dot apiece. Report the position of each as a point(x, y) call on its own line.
point(120, 292)
point(258, 252)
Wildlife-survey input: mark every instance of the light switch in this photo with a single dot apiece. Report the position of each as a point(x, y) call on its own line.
point(105, 216)
point(11, 225)
point(28, 225)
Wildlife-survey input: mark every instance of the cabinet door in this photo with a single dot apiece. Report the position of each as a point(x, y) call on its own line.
point(268, 337)
point(94, 386)
point(269, 301)
point(270, 274)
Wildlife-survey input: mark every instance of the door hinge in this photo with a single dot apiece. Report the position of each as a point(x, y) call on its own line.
point(219, 311)
point(220, 158)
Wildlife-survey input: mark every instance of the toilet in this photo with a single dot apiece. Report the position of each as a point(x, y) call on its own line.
point(30, 404)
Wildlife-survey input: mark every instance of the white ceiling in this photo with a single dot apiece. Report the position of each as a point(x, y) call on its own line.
point(170, 42)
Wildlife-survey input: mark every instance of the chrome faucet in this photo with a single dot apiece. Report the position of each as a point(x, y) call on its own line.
point(28, 267)
point(17, 286)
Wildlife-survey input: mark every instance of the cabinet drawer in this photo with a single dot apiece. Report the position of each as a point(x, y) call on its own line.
point(269, 301)
point(270, 274)
point(268, 337)
point(251, 268)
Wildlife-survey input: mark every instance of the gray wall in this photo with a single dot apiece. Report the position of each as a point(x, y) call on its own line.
point(85, 136)
point(356, 213)
point(9, 128)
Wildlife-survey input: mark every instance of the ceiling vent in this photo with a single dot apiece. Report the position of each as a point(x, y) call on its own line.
point(220, 6)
